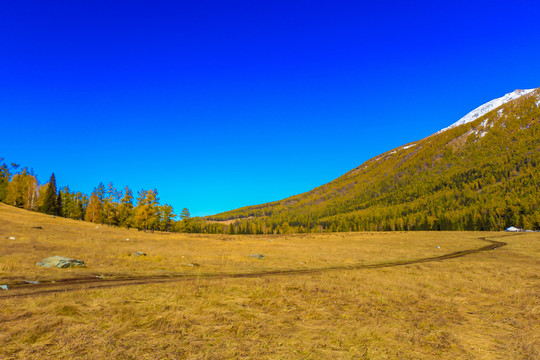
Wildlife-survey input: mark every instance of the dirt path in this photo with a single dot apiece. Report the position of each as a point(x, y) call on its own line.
point(96, 282)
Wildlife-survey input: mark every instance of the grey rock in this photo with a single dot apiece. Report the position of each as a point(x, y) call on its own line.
point(60, 262)
point(257, 256)
point(191, 264)
point(139, 253)
point(3, 287)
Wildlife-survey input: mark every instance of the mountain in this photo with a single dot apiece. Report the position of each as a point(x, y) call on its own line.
point(487, 107)
point(480, 173)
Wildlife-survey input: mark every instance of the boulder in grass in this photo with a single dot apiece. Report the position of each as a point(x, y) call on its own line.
point(139, 253)
point(191, 264)
point(60, 262)
point(257, 256)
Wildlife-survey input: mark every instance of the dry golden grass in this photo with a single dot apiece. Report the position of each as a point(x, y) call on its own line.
point(482, 306)
point(106, 251)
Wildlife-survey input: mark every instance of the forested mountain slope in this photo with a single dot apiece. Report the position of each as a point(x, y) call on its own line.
point(481, 175)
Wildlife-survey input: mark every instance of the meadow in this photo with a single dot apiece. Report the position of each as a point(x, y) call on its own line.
point(484, 305)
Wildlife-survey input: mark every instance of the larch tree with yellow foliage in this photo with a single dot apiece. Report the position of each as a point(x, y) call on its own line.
point(94, 209)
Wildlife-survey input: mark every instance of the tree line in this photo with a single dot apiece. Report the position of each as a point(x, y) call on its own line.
point(106, 205)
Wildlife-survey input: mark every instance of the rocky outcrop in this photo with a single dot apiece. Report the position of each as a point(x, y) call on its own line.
point(60, 262)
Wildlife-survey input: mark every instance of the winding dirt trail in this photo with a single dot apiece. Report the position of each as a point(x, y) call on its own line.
point(96, 282)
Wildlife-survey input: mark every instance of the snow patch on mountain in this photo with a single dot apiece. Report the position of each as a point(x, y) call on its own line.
point(487, 107)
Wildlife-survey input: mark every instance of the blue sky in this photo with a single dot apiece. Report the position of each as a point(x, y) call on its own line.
point(220, 105)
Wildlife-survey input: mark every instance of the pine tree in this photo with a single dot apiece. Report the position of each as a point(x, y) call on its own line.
point(5, 175)
point(70, 203)
point(125, 210)
point(185, 214)
point(167, 217)
point(185, 225)
point(100, 191)
point(81, 201)
point(50, 201)
point(110, 205)
point(59, 207)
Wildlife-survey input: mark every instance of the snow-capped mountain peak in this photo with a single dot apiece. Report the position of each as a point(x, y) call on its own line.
point(487, 107)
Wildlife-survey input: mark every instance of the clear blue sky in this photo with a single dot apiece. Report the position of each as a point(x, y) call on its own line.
point(222, 104)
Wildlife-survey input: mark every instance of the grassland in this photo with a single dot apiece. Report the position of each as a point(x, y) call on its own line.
point(481, 306)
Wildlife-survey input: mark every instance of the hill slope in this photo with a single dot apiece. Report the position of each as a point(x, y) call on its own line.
point(487, 107)
point(477, 175)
